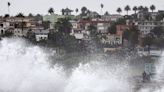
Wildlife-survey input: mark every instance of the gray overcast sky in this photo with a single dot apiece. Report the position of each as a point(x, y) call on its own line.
point(41, 6)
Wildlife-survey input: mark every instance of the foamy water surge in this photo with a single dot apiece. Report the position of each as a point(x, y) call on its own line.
point(26, 68)
point(157, 83)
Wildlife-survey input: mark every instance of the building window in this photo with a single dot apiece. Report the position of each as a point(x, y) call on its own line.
point(1, 25)
point(11, 25)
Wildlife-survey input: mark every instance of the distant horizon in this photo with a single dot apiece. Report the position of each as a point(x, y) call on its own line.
point(42, 6)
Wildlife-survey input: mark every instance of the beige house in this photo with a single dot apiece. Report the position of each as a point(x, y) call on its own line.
point(4, 26)
point(21, 25)
point(20, 33)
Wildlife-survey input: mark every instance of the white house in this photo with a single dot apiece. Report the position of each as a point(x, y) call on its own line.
point(102, 27)
point(141, 15)
point(113, 17)
point(146, 26)
point(153, 15)
point(152, 52)
point(41, 35)
point(74, 24)
point(100, 24)
point(80, 34)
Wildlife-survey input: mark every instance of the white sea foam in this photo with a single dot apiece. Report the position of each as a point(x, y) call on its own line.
point(26, 68)
point(157, 84)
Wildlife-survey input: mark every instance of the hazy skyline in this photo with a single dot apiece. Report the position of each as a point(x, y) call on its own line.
point(42, 6)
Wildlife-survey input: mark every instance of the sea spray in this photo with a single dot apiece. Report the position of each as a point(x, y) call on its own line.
point(26, 68)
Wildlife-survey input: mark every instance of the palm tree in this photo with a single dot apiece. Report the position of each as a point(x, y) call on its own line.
point(62, 11)
point(146, 9)
point(88, 12)
point(51, 10)
point(119, 10)
point(127, 8)
point(38, 17)
point(20, 15)
point(106, 13)
point(102, 6)
point(76, 10)
point(92, 29)
point(6, 16)
point(152, 7)
point(83, 10)
point(30, 15)
point(8, 4)
point(140, 8)
point(135, 9)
